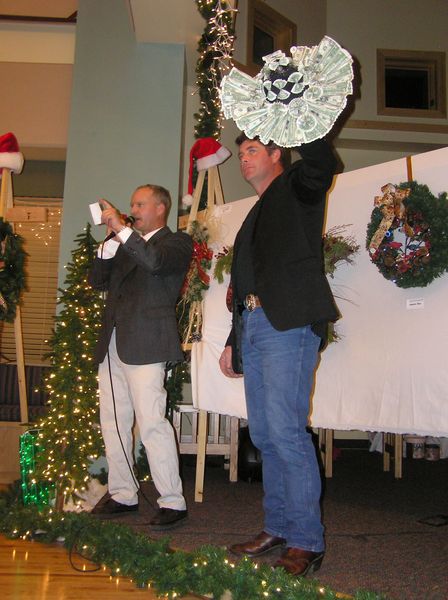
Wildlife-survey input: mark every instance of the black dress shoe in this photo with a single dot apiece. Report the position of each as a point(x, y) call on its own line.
point(264, 542)
point(167, 518)
point(109, 507)
point(300, 562)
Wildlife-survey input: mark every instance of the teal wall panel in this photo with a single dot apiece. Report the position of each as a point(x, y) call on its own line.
point(126, 117)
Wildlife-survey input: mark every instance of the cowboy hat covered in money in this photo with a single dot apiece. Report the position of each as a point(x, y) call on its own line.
point(294, 99)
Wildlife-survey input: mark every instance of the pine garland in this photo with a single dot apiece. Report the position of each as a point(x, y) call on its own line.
point(337, 248)
point(177, 375)
point(215, 48)
point(12, 275)
point(150, 563)
point(208, 67)
point(223, 263)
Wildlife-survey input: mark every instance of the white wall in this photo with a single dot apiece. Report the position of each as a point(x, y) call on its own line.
point(126, 117)
point(37, 62)
point(310, 17)
point(362, 27)
point(37, 43)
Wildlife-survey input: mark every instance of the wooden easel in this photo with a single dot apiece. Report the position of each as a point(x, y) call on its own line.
point(6, 205)
point(214, 197)
point(11, 431)
point(14, 215)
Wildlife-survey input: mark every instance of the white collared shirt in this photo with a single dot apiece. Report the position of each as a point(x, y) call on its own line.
point(109, 248)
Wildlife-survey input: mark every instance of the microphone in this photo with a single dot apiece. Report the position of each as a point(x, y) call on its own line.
point(129, 220)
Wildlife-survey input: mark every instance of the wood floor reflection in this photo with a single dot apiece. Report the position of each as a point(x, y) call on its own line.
point(35, 571)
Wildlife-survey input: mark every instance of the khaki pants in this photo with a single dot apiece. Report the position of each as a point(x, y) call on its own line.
point(137, 390)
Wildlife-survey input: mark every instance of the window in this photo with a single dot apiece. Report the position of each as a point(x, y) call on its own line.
point(41, 242)
point(411, 83)
point(267, 31)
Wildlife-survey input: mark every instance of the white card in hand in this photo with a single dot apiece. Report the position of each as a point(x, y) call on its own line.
point(95, 210)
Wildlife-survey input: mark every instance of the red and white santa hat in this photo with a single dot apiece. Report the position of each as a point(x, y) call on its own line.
point(207, 152)
point(10, 157)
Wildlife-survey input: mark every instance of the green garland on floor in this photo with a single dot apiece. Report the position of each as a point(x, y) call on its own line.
point(154, 564)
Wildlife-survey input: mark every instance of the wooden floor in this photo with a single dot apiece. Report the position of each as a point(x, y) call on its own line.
point(36, 571)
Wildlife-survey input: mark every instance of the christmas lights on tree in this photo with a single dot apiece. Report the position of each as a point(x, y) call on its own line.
point(215, 48)
point(69, 435)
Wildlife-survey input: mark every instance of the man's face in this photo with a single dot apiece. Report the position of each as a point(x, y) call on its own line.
point(148, 212)
point(256, 164)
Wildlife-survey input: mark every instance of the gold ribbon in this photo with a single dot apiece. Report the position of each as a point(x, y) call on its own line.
point(391, 205)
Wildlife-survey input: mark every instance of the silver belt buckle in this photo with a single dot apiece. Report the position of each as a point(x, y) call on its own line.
point(250, 302)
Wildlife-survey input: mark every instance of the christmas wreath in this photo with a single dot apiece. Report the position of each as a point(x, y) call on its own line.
point(12, 276)
point(196, 282)
point(407, 237)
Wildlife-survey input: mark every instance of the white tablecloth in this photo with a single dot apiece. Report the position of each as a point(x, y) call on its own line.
point(211, 390)
point(389, 371)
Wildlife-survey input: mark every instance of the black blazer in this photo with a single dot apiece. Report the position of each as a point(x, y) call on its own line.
point(143, 281)
point(286, 246)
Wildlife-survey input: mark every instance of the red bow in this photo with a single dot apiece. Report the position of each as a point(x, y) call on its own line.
point(202, 252)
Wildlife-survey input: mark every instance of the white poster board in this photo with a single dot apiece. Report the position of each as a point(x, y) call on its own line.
point(389, 371)
point(211, 390)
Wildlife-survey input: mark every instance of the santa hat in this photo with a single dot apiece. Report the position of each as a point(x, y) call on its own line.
point(10, 157)
point(207, 152)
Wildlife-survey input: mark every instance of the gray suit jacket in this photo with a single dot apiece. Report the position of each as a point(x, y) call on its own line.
point(143, 281)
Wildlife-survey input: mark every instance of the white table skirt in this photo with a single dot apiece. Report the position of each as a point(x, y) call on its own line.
point(389, 371)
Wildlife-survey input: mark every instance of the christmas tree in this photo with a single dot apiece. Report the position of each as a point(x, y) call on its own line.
point(69, 435)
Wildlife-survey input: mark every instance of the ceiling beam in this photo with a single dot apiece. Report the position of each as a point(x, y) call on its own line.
point(34, 19)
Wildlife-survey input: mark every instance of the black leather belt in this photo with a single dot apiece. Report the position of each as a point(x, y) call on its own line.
point(252, 302)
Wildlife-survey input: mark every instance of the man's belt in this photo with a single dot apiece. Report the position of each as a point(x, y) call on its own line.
point(251, 302)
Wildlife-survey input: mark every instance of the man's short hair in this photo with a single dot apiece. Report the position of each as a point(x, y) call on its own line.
point(285, 153)
point(161, 194)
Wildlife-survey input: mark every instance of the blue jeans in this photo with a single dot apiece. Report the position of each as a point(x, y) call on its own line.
point(278, 378)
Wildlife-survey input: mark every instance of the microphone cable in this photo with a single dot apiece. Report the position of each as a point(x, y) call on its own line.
point(73, 548)
point(129, 220)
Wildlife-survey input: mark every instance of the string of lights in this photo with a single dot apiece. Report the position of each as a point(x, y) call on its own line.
point(68, 436)
point(215, 50)
point(152, 564)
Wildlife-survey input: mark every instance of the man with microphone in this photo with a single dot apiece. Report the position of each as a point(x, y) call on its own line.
point(142, 271)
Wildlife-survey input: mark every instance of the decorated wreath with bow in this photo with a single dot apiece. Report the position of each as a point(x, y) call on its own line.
point(12, 276)
point(407, 237)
